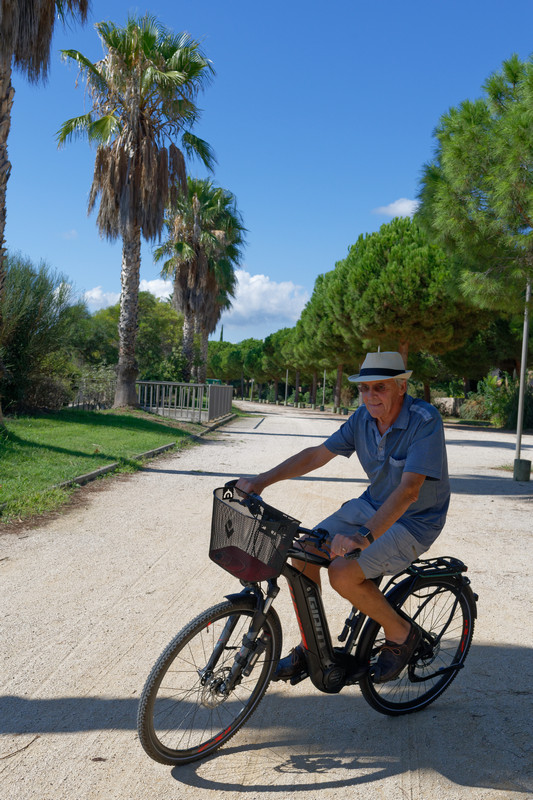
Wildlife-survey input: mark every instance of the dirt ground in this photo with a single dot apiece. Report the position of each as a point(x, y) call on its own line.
point(91, 597)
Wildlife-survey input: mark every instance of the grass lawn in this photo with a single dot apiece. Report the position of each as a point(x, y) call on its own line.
point(40, 451)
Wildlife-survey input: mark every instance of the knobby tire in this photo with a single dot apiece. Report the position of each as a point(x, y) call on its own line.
point(182, 717)
point(445, 608)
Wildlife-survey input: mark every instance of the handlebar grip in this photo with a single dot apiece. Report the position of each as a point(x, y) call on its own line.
point(248, 497)
point(353, 553)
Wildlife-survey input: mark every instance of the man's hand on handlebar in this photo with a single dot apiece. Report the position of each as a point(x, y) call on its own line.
point(250, 485)
point(343, 545)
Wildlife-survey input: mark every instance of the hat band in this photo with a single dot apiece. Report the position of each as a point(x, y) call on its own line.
point(381, 371)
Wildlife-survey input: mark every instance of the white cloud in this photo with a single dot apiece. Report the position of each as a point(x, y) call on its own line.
point(260, 305)
point(400, 208)
point(260, 300)
point(160, 288)
point(69, 235)
point(96, 298)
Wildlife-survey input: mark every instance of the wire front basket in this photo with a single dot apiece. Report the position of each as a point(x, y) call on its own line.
point(249, 539)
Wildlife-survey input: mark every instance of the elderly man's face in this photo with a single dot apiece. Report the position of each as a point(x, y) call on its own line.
point(383, 400)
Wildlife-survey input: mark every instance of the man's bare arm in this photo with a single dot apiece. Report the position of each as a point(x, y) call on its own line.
point(392, 509)
point(299, 464)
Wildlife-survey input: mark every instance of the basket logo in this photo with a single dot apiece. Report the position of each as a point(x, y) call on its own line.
point(228, 527)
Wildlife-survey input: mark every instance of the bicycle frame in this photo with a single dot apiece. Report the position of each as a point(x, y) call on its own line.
point(329, 668)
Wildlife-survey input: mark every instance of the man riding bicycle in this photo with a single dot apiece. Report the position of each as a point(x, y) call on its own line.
point(400, 444)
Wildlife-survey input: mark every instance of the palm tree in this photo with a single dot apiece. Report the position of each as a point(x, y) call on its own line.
point(26, 31)
point(203, 246)
point(143, 94)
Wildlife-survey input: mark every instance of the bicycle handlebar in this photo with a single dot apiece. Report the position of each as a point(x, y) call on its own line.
point(318, 534)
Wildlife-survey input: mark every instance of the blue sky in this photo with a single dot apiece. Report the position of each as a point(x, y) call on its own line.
point(321, 117)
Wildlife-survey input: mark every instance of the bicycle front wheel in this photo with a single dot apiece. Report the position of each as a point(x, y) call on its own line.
point(185, 711)
point(445, 609)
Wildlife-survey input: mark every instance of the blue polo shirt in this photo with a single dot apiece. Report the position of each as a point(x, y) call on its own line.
point(414, 443)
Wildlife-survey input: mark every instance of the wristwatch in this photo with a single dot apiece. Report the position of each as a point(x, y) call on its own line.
point(364, 531)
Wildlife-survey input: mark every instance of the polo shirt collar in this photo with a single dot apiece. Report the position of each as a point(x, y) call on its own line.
point(402, 420)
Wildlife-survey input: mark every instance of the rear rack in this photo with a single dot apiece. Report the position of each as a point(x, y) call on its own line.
point(442, 565)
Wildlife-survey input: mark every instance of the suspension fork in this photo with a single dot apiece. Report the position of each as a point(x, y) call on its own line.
point(252, 643)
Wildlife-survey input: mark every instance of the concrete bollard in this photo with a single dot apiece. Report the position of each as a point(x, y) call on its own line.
point(522, 469)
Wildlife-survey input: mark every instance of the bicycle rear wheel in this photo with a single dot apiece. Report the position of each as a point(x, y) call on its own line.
point(185, 711)
point(445, 609)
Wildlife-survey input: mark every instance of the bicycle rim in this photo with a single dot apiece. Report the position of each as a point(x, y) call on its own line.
point(445, 610)
point(183, 714)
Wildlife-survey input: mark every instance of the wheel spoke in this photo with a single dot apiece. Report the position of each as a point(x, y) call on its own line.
point(439, 607)
point(184, 713)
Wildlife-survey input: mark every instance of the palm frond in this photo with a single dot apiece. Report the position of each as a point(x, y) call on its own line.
point(138, 168)
point(102, 130)
point(91, 71)
point(194, 146)
point(74, 128)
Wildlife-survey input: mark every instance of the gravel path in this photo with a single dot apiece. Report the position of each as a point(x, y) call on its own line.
point(91, 598)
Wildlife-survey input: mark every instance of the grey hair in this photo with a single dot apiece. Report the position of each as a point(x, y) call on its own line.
point(401, 382)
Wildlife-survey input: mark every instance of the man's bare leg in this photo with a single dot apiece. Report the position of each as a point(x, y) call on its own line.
point(348, 579)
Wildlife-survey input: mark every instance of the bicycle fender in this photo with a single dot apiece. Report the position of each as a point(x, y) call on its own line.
point(400, 590)
point(244, 595)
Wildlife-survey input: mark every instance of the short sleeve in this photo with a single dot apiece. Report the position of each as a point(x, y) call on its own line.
point(342, 442)
point(426, 452)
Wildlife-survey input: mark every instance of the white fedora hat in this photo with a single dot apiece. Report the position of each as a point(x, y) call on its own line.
point(381, 367)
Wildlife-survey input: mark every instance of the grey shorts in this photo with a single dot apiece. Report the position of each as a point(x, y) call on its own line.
point(394, 551)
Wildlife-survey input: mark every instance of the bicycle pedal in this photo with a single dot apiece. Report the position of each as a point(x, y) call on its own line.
point(300, 677)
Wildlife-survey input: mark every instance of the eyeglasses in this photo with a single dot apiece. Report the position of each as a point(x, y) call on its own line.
point(379, 388)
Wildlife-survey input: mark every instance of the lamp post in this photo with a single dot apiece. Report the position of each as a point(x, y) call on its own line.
point(522, 467)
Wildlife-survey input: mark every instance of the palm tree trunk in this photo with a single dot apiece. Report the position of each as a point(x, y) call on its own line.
point(202, 369)
point(128, 369)
point(6, 102)
point(188, 344)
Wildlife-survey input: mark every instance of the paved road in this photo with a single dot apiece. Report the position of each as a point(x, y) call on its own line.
point(92, 597)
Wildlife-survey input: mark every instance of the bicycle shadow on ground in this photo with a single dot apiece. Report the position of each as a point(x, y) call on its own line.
point(476, 735)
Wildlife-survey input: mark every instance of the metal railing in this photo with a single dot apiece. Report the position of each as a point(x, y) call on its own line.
point(195, 402)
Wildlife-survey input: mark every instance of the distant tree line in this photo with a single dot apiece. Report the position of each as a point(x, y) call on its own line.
point(395, 289)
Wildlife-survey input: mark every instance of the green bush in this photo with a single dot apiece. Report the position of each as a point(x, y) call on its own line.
point(37, 324)
point(497, 400)
point(474, 408)
point(95, 386)
point(512, 409)
point(497, 395)
point(50, 392)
